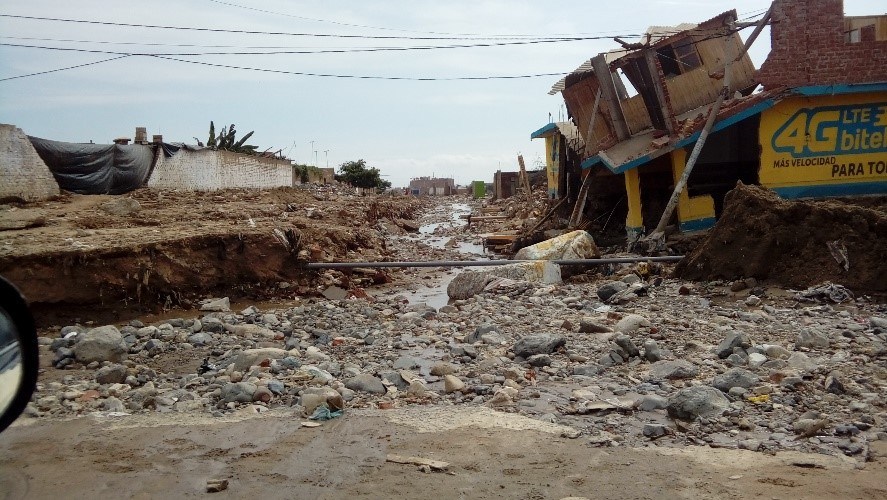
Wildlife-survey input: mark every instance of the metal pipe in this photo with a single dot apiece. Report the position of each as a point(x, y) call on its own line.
point(487, 263)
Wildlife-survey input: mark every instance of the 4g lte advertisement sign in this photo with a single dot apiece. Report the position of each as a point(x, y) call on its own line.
point(825, 145)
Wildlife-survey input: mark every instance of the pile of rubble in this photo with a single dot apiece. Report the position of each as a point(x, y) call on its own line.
point(794, 243)
point(670, 364)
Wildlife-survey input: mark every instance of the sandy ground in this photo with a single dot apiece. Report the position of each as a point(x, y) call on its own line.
point(491, 455)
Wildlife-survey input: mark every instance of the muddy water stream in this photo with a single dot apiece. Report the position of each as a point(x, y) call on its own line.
point(443, 228)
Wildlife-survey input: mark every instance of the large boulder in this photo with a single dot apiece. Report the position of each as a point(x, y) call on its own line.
point(735, 377)
point(540, 343)
point(473, 281)
point(570, 246)
point(104, 343)
point(698, 401)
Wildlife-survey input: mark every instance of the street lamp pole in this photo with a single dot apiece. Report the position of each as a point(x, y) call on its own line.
point(326, 153)
point(312, 152)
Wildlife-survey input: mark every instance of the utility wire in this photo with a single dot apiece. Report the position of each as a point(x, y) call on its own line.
point(360, 77)
point(282, 33)
point(63, 69)
point(231, 4)
point(284, 52)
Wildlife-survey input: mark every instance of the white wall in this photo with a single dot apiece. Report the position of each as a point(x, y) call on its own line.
point(208, 170)
point(22, 173)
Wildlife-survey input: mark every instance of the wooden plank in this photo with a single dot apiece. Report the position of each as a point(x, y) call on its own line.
point(608, 92)
point(434, 464)
point(658, 84)
point(524, 178)
point(579, 208)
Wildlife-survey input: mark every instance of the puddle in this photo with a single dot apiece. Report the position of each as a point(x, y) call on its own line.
point(437, 235)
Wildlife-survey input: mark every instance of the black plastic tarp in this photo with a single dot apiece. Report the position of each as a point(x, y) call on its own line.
point(96, 168)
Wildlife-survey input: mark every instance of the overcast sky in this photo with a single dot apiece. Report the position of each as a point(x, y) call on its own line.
point(461, 129)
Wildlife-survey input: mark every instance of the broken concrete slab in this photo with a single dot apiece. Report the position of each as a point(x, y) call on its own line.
point(472, 282)
point(570, 246)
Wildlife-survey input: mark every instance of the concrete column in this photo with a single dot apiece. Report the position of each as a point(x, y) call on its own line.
point(634, 222)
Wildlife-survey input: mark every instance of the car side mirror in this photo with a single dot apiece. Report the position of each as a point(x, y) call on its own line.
point(18, 354)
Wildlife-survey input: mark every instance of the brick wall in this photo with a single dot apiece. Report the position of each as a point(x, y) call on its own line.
point(23, 175)
point(808, 48)
point(208, 170)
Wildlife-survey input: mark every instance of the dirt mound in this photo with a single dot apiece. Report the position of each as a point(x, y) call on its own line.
point(793, 243)
point(70, 256)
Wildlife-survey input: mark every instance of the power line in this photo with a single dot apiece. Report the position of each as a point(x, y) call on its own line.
point(230, 4)
point(62, 69)
point(360, 77)
point(293, 52)
point(254, 32)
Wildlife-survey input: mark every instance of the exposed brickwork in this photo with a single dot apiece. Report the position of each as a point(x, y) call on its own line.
point(23, 175)
point(808, 47)
point(208, 170)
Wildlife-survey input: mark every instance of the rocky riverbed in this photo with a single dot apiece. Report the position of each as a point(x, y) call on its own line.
point(622, 356)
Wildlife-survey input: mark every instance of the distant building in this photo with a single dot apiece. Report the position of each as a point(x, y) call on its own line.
point(432, 186)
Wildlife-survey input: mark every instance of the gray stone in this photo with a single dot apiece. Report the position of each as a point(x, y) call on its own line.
point(200, 338)
point(240, 392)
point(735, 377)
point(625, 343)
point(479, 331)
point(405, 363)
point(650, 402)
point(652, 352)
point(697, 401)
point(631, 279)
point(395, 378)
point(834, 385)
point(878, 322)
point(112, 374)
point(452, 384)
point(609, 289)
point(678, 369)
point(811, 339)
point(121, 206)
point(216, 305)
point(801, 362)
point(441, 368)
point(366, 383)
point(540, 343)
point(539, 360)
point(775, 351)
point(335, 293)
point(756, 359)
point(252, 357)
point(104, 343)
point(588, 325)
point(471, 282)
point(113, 404)
point(587, 370)
point(733, 339)
point(654, 431)
point(632, 323)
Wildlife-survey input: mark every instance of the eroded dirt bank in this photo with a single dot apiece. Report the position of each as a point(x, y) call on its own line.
point(120, 255)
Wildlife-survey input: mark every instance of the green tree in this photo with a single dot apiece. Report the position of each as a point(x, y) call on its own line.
point(227, 140)
point(359, 175)
point(211, 143)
